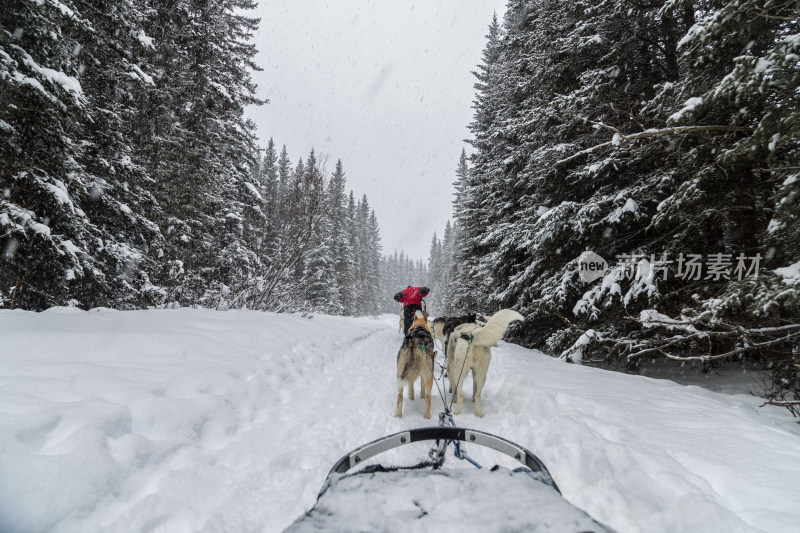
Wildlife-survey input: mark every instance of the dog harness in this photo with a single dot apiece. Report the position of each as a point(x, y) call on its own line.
point(421, 333)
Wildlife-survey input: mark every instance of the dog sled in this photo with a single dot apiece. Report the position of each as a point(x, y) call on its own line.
point(361, 494)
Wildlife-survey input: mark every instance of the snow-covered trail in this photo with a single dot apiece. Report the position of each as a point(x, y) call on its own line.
point(179, 420)
point(194, 420)
point(649, 455)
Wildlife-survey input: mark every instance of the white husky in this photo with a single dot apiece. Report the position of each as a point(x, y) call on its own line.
point(472, 353)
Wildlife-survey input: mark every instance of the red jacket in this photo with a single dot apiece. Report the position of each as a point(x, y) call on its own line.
point(411, 295)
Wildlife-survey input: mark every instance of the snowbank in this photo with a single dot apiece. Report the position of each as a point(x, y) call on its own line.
point(194, 420)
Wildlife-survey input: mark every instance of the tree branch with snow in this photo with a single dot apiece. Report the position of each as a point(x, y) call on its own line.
point(674, 130)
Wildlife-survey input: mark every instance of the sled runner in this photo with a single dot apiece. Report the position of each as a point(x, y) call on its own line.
point(375, 497)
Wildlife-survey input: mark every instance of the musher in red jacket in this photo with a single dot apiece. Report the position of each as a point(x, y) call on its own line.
point(411, 298)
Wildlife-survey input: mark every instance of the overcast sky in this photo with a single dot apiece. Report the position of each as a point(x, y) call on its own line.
point(385, 86)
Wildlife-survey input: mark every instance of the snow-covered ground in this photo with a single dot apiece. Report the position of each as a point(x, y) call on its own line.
point(195, 420)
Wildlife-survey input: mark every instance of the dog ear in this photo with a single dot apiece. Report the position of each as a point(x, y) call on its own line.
point(418, 314)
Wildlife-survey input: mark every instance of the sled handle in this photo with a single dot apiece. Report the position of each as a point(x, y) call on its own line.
point(472, 436)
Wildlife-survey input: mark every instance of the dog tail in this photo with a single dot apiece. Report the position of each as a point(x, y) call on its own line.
point(495, 328)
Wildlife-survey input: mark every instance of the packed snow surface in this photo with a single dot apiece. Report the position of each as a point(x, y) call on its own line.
point(196, 420)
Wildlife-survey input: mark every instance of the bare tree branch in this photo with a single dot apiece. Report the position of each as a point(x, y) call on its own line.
point(781, 403)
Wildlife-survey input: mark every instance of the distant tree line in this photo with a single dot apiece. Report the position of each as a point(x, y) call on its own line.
point(130, 177)
point(447, 292)
point(319, 250)
point(652, 131)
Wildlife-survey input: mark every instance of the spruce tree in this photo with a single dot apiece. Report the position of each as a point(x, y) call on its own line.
point(342, 251)
point(373, 296)
point(206, 49)
point(635, 131)
point(320, 284)
point(75, 214)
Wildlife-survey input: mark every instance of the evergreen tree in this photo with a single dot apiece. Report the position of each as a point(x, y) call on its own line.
point(269, 186)
point(205, 47)
point(472, 188)
point(373, 296)
point(434, 264)
point(322, 291)
point(342, 247)
point(448, 270)
point(284, 176)
point(130, 177)
point(75, 213)
point(297, 274)
point(633, 130)
point(296, 226)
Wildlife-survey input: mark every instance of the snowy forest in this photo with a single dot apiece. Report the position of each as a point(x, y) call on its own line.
point(654, 135)
point(206, 208)
point(661, 136)
point(131, 176)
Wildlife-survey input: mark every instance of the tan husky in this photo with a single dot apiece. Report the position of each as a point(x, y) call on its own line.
point(472, 353)
point(415, 359)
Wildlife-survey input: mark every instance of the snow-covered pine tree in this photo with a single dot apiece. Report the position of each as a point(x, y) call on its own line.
point(395, 279)
point(277, 253)
point(320, 284)
point(465, 291)
point(42, 109)
point(269, 186)
point(448, 270)
point(285, 277)
point(297, 228)
point(373, 253)
point(447, 289)
point(718, 125)
point(472, 186)
point(559, 70)
point(352, 236)
point(284, 176)
point(74, 224)
point(367, 253)
point(637, 130)
point(390, 284)
point(384, 287)
point(341, 245)
point(572, 72)
point(739, 79)
point(206, 58)
point(434, 267)
point(121, 206)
